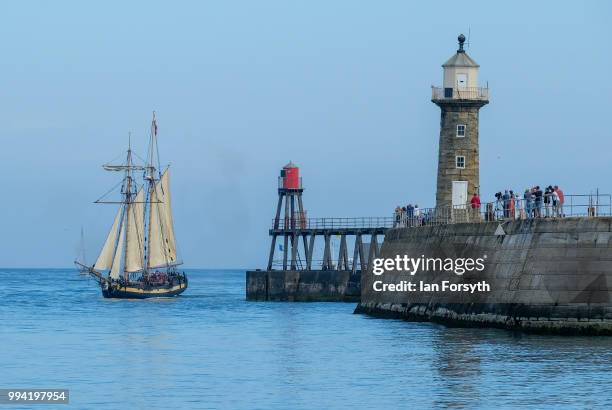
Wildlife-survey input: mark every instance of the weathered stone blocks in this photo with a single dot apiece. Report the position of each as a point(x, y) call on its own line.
point(548, 275)
point(313, 285)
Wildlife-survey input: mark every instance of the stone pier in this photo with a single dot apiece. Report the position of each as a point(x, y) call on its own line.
point(547, 275)
point(303, 285)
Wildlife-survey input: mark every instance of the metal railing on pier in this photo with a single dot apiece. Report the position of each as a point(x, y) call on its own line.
point(585, 206)
point(301, 263)
point(333, 223)
point(298, 231)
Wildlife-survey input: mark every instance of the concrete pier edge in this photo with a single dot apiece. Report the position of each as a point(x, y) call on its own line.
point(303, 285)
point(450, 318)
point(548, 276)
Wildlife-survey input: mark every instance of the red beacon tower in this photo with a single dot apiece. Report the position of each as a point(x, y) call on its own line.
point(290, 177)
point(293, 217)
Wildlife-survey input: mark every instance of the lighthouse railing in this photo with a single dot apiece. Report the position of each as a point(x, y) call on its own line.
point(465, 93)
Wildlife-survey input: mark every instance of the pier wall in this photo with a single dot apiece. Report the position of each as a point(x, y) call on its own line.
point(546, 275)
point(303, 285)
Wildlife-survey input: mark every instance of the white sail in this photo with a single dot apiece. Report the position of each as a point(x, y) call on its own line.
point(114, 273)
point(105, 259)
point(162, 245)
point(135, 234)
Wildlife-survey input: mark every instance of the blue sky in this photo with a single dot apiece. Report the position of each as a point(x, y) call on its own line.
point(342, 88)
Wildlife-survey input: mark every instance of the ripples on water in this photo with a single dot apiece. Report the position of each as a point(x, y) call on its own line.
point(211, 349)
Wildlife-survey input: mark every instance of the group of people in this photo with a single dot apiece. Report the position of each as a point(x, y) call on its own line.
point(164, 278)
point(529, 205)
point(409, 215)
point(156, 278)
point(533, 203)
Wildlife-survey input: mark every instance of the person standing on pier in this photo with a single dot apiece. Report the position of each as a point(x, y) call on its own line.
point(499, 206)
point(538, 201)
point(398, 216)
point(547, 201)
point(561, 201)
point(475, 203)
point(410, 212)
point(555, 203)
point(528, 197)
point(520, 206)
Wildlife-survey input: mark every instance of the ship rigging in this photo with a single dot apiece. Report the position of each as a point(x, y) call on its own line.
point(139, 256)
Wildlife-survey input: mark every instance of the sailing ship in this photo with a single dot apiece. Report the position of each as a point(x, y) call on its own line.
point(139, 258)
point(81, 260)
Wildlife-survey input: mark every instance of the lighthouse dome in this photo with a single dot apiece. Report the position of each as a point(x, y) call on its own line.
point(460, 60)
point(460, 71)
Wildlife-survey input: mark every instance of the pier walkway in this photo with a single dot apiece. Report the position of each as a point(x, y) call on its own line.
point(308, 229)
point(574, 206)
point(366, 230)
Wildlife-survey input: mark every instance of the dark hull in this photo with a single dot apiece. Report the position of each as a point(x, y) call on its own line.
point(134, 291)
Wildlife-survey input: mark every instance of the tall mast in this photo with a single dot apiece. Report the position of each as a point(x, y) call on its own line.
point(150, 176)
point(128, 200)
point(112, 251)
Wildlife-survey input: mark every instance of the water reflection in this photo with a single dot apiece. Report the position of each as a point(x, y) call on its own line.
point(458, 367)
point(211, 348)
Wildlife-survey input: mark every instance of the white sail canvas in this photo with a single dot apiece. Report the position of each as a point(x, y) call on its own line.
point(162, 244)
point(115, 269)
point(135, 234)
point(105, 259)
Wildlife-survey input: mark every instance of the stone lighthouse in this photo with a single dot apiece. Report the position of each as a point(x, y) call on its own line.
point(460, 99)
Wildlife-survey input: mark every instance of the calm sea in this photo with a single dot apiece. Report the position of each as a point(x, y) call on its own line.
point(211, 349)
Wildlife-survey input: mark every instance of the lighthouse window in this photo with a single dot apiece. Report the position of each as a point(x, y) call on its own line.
point(460, 130)
point(460, 161)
